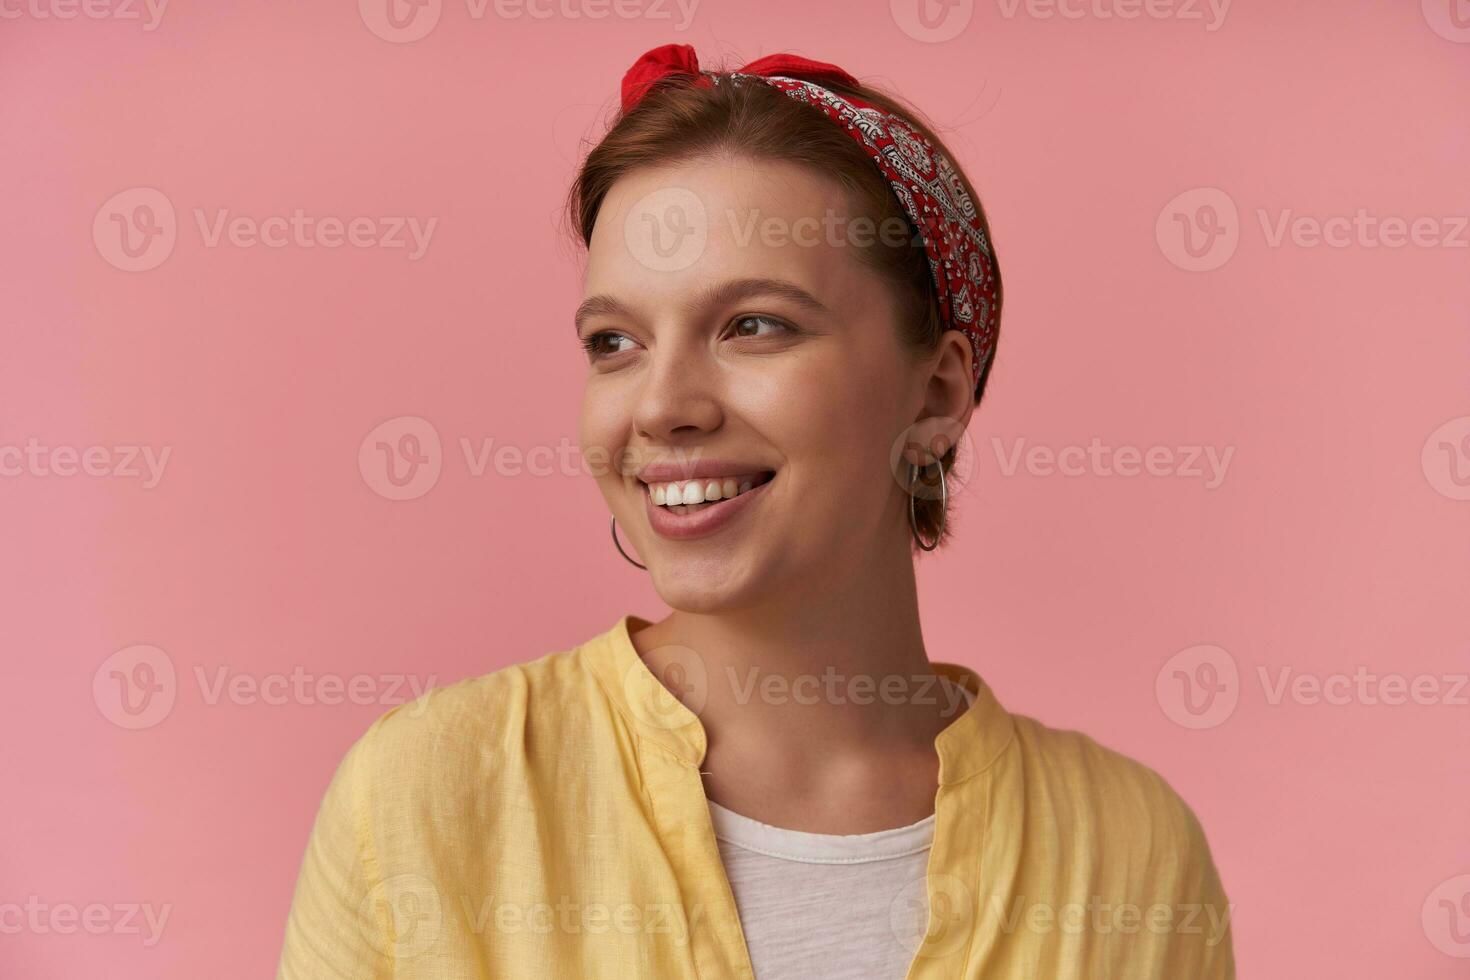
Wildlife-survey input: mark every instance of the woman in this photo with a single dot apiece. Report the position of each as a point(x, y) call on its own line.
point(790, 312)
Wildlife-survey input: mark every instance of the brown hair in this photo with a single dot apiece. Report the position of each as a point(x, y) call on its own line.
point(678, 120)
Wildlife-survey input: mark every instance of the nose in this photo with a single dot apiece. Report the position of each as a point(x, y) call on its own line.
point(679, 395)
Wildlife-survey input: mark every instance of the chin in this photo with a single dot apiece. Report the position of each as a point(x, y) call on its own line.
point(706, 588)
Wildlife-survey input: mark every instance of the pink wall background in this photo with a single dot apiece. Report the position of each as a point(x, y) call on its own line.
point(1334, 375)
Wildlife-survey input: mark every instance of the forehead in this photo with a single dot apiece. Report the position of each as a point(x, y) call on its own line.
point(677, 228)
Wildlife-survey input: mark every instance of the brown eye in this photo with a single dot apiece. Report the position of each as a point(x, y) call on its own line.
point(596, 345)
point(749, 326)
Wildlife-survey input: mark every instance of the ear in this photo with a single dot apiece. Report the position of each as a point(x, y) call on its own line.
point(949, 401)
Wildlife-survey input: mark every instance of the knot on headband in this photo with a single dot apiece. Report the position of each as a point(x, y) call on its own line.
point(926, 183)
point(680, 59)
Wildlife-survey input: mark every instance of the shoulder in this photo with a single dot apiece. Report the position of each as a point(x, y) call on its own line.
point(1095, 826)
point(456, 735)
point(1113, 802)
point(423, 777)
point(1076, 764)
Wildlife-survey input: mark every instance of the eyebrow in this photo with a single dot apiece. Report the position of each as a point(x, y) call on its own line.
point(723, 294)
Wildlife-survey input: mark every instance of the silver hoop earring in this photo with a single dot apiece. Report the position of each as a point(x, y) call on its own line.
point(944, 506)
point(617, 544)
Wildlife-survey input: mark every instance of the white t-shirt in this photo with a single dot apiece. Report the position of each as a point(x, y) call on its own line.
point(842, 907)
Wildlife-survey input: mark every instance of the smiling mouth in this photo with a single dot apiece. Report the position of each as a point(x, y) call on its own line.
point(691, 496)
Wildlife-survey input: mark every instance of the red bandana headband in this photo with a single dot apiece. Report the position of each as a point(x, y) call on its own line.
point(921, 177)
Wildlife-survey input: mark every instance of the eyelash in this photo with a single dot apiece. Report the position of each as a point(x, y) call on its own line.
point(591, 343)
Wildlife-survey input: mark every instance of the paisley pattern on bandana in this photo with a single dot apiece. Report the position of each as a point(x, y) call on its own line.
point(930, 191)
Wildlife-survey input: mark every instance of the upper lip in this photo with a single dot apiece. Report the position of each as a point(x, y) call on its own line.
point(704, 469)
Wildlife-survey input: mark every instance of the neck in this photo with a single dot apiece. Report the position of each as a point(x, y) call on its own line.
point(822, 692)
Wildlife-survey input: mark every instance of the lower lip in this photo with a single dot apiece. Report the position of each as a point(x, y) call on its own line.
point(706, 520)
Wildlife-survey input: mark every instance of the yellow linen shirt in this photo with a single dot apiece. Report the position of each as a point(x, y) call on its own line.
point(548, 822)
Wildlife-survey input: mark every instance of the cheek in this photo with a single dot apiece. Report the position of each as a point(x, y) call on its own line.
point(602, 431)
point(838, 440)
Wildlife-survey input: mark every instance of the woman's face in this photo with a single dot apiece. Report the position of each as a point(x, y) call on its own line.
point(739, 339)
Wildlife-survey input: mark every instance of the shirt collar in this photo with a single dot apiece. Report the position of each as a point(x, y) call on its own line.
point(969, 745)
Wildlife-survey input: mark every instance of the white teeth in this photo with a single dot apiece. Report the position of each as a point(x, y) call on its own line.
point(699, 491)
